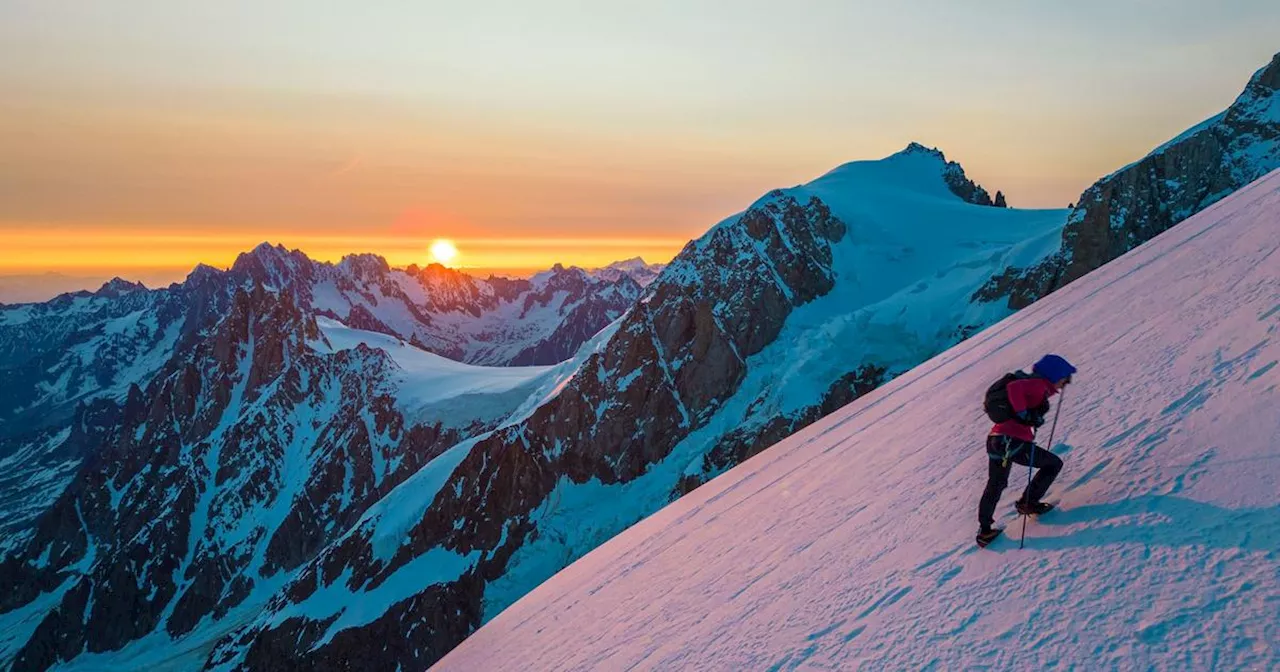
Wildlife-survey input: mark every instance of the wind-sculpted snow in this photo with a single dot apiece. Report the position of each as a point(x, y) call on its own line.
point(850, 544)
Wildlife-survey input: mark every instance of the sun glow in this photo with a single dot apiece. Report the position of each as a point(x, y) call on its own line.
point(443, 251)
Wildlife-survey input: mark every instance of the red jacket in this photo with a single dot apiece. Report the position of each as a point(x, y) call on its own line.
point(1024, 394)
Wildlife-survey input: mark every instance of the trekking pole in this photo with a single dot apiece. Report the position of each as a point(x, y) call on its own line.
point(1031, 465)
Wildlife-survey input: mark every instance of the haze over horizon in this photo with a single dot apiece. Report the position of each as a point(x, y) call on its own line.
point(143, 140)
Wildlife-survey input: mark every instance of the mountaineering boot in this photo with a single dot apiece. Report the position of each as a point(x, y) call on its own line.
point(1032, 509)
point(987, 536)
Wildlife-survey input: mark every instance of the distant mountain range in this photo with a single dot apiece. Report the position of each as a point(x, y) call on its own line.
point(59, 357)
point(296, 464)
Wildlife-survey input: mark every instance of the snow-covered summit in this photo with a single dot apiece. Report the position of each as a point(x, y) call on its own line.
point(636, 268)
point(850, 544)
point(916, 168)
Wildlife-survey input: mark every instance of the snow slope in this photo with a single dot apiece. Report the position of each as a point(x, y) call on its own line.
point(850, 544)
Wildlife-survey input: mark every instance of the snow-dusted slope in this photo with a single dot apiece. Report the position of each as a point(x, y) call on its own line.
point(428, 384)
point(850, 544)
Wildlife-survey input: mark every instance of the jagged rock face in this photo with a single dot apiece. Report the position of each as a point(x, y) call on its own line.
point(1142, 200)
point(956, 180)
point(85, 346)
point(59, 357)
point(239, 461)
point(494, 321)
point(585, 307)
point(454, 291)
point(671, 362)
point(80, 346)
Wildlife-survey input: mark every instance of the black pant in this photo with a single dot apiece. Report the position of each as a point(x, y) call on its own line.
point(1019, 452)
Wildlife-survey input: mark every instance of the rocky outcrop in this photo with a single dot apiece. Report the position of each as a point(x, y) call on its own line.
point(953, 175)
point(1146, 198)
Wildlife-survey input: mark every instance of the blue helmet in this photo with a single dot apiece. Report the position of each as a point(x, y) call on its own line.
point(1053, 367)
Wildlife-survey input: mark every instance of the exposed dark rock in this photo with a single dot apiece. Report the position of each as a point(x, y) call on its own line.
point(1148, 197)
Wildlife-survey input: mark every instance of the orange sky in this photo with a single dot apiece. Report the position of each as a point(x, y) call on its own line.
point(138, 139)
point(95, 251)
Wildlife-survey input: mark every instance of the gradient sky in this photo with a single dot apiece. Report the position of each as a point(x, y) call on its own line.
point(138, 138)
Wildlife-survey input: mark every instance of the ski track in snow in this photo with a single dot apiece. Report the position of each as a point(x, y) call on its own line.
point(850, 544)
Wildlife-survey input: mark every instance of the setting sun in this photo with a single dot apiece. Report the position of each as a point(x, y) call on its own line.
point(443, 251)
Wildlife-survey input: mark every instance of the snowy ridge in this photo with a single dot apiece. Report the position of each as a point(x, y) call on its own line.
point(850, 543)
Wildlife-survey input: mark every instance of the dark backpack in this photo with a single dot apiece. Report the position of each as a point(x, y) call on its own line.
point(996, 402)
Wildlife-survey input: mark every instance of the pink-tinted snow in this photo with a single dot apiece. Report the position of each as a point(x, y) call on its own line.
point(850, 544)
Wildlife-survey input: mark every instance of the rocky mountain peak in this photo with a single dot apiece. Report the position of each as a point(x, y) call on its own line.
point(915, 148)
point(118, 286)
point(1264, 83)
point(629, 264)
point(635, 268)
point(203, 273)
point(437, 274)
point(1256, 111)
point(365, 266)
point(273, 265)
point(953, 174)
